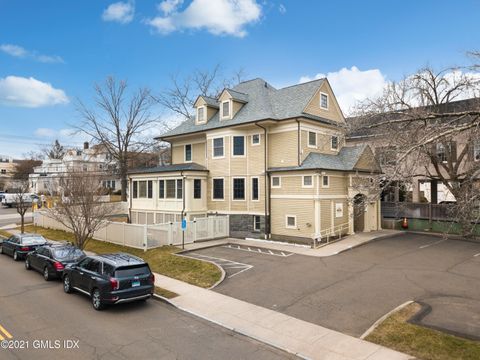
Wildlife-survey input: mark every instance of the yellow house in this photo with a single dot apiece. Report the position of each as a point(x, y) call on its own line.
point(274, 160)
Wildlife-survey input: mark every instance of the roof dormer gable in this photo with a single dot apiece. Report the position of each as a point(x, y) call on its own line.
point(231, 102)
point(205, 108)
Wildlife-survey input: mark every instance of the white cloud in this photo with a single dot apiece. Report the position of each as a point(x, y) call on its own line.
point(219, 17)
point(20, 52)
point(282, 9)
point(29, 92)
point(353, 85)
point(168, 6)
point(121, 12)
point(45, 133)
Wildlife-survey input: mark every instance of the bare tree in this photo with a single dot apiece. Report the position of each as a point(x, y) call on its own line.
point(25, 167)
point(54, 151)
point(23, 201)
point(119, 124)
point(80, 208)
point(432, 135)
point(181, 95)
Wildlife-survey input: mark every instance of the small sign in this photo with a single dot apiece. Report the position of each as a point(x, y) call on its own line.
point(184, 224)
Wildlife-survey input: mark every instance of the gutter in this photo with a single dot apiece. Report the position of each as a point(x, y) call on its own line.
point(298, 141)
point(267, 183)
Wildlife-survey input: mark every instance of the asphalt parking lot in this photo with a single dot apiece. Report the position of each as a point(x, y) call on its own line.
point(350, 291)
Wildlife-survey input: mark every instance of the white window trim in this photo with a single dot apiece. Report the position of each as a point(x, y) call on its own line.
point(303, 182)
point(223, 117)
point(204, 114)
point(331, 143)
point(244, 190)
point(328, 101)
point(279, 182)
point(286, 222)
point(244, 146)
point(251, 188)
point(259, 140)
point(254, 223)
point(213, 199)
point(213, 147)
point(185, 153)
point(308, 139)
point(323, 185)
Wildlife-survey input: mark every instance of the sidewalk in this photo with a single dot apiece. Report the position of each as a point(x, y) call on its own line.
point(295, 336)
point(335, 248)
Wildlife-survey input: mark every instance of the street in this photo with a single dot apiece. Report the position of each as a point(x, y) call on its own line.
point(40, 314)
point(10, 216)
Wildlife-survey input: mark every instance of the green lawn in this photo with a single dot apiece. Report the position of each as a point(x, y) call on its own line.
point(424, 343)
point(161, 260)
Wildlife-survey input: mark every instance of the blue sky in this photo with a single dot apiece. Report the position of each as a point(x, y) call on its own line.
point(52, 52)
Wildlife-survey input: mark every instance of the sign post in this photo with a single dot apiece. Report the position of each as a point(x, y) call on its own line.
point(184, 228)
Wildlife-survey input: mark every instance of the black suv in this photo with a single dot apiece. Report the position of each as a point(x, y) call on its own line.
point(18, 246)
point(51, 259)
point(110, 279)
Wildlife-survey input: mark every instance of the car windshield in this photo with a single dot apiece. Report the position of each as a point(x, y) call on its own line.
point(33, 240)
point(128, 271)
point(67, 253)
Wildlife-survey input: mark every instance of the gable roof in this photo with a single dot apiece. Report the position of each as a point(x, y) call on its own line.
point(238, 96)
point(346, 160)
point(264, 103)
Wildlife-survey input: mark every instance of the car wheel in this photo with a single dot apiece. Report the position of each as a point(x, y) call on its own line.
point(27, 264)
point(15, 256)
point(67, 286)
point(46, 274)
point(96, 300)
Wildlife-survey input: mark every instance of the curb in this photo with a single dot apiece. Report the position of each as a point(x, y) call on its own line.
point(222, 271)
point(382, 319)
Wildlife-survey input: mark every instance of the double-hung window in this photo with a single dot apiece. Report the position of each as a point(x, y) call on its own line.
point(201, 114)
point(334, 143)
point(238, 189)
point(238, 145)
point(218, 189)
point(255, 189)
point(256, 223)
point(197, 188)
point(255, 139)
point(170, 186)
point(179, 188)
point(218, 148)
point(324, 101)
point(188, 153)
point(226, 109)
point(312, 139)
point(308, 181)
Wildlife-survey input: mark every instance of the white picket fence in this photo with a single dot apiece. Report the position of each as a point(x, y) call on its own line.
point(151, 236)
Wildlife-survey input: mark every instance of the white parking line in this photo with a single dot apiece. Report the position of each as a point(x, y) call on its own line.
point(258, 250)
point(224, 263)
point(431, 244)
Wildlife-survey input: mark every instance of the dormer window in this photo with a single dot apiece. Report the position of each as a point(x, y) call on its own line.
point(201, 116)
point(324, 101)
point(226, 109)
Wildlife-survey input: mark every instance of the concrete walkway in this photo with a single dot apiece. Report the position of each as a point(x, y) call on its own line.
point(349, 242)
point(295, 336)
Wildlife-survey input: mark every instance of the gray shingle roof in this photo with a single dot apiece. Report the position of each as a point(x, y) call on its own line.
point(346, 160)
point(210, 101)
point(169, 168)
point(264, 102)
point(238, 95)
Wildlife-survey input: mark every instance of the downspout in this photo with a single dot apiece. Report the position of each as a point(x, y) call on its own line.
point(183, 208)
point(267, 183)
point(130, 188)
point(298, 142)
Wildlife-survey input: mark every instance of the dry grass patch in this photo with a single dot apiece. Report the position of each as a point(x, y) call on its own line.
point(161, 260)
point(424, 343)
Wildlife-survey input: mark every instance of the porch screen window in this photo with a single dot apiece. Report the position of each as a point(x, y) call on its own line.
point(142, 189)
point(149, 189)
point(238, 189)
point(218, 147)
point(238, 145)
point(254, 188)
point(135, 189)
point(218, 188)
point(188, 152)
point(170, 189)
point(179, 189)
point(197, 189)
point(312, 138)
point(161, 189)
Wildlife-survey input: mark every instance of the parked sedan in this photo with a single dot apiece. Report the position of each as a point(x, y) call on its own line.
point(51, 259)
point(18, 246)
point(110, 279)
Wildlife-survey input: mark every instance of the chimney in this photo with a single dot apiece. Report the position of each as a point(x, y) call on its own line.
point(85, 145)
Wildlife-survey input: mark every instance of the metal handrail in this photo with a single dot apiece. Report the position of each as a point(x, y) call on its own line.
point(327, 233)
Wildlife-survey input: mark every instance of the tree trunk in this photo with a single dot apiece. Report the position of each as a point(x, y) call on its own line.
point(22, 227)
point(124, 180)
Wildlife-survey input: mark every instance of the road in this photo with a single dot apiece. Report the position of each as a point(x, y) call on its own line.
point(10, 216)
point(32, 309)
point(350, 291)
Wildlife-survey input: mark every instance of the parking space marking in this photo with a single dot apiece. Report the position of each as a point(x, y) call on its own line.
point(4, 333)
point(258, 250)
point(224, 263)
point(431, 244)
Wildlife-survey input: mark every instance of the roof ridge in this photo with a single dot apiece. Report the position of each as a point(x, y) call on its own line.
point(303, 83)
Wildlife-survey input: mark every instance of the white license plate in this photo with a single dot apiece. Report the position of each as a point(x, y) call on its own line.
point(135, 283)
